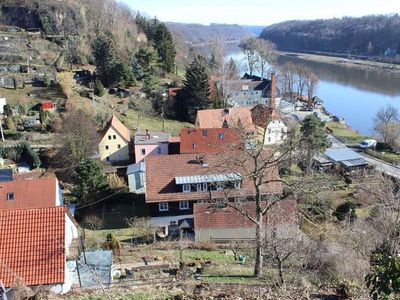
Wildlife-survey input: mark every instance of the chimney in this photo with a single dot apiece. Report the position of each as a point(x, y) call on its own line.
point(272, 103)
point(147, 134)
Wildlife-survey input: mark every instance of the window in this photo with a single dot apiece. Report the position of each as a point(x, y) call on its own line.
point(202, 187)
point(269, 139)
point(205, 132)
point(109, 137)
point(269, 131)
point(186, 188)
point(114, 137)
point(183, 205)
point(119, 146)
point(107, 158)
point(220, 186)
point(106, 147)
point(10, 196)
point(237, 185)
point(172, 223)
point(163, 206)
point(221, 136)
point(194, 146)
point(143, 151)
point(158, 150)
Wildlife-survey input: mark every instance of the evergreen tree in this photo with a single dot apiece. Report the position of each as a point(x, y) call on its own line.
point(128, 79)
point(108, 64)
point(98, 88)
point(195, 92)
point(165, 48)
point(90, 181)
point(145, 61)
point(313, 138)
point(7, 110)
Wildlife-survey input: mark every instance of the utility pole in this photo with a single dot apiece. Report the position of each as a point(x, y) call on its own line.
point(1, 129)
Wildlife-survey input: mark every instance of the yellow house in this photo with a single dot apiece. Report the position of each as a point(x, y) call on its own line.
point(115, 141)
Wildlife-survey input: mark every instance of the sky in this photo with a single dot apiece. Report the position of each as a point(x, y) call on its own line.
point(258, 12)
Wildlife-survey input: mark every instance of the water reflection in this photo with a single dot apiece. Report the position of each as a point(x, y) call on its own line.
point(377, 81)
point(352, 93)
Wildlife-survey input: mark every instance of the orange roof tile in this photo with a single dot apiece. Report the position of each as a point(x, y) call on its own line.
point(207, 140)
point(215, 118)
point(207, 215)
point(28, 193)
point(161, 171)
point(32, 246)
point(119, 127)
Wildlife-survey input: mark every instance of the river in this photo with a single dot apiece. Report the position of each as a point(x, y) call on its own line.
point(352, 93)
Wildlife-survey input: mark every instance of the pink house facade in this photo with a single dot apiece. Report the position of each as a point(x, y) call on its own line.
point(150, 143)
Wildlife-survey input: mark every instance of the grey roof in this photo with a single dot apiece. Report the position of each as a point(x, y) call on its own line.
point(153, 138)
point(355, 162)
point(207, 178)
point(346, 156)
point(138, 167)
point(322, 159)
point(342, 154)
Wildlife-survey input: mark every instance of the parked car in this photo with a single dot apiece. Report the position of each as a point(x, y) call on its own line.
point(367, 144)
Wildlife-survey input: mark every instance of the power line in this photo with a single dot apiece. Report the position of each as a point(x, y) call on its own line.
point(100, 200)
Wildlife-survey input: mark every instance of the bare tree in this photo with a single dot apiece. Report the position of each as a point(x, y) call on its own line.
point(93, 222)
point(142, 228)
point(287, 80)
point(78, 140)
point(257, 167)
point(266, 55)
point(283, 244)
point(249, 47)
point(66, 82)
point(311, 83)
point(387, 125)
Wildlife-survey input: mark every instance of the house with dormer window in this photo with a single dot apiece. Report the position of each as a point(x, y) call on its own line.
point(174, 183)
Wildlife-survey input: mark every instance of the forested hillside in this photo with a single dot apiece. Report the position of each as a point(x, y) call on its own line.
point(197, 33)
point(370, 35)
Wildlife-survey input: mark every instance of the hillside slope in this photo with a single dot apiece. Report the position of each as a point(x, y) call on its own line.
point(370, 35)
point(198, 34)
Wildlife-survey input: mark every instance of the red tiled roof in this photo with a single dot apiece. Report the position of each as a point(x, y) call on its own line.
point(172, 92)
point(119, 127)
point(29, 193)
point(215, 118)
point(161, 172)
point(32, 246)
point(207, 140)
point(47, 104)
point(207, 215)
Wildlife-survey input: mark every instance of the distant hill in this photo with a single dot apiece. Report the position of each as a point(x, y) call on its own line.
point(200, 34)
point(255, 30)
point(370, 35)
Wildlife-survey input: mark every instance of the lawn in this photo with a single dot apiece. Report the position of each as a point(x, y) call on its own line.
point(346, 134)
point(152, 123)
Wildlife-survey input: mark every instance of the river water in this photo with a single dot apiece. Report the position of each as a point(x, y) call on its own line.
point(351, 93)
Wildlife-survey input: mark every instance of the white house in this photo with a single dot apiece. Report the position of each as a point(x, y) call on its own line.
point(276, 132)
point(2, 103)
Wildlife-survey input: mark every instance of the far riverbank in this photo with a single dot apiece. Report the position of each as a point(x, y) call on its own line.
point(346, 62)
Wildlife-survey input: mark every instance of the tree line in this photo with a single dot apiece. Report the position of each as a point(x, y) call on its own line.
point(375, 35)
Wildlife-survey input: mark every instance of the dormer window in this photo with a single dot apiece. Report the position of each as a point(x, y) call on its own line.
point(205, 132)
point(194, 146)
point(221, 136)
point(186, 188)
point(10, 196)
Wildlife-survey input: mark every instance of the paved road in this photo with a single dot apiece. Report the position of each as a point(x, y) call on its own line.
point(379, 165)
